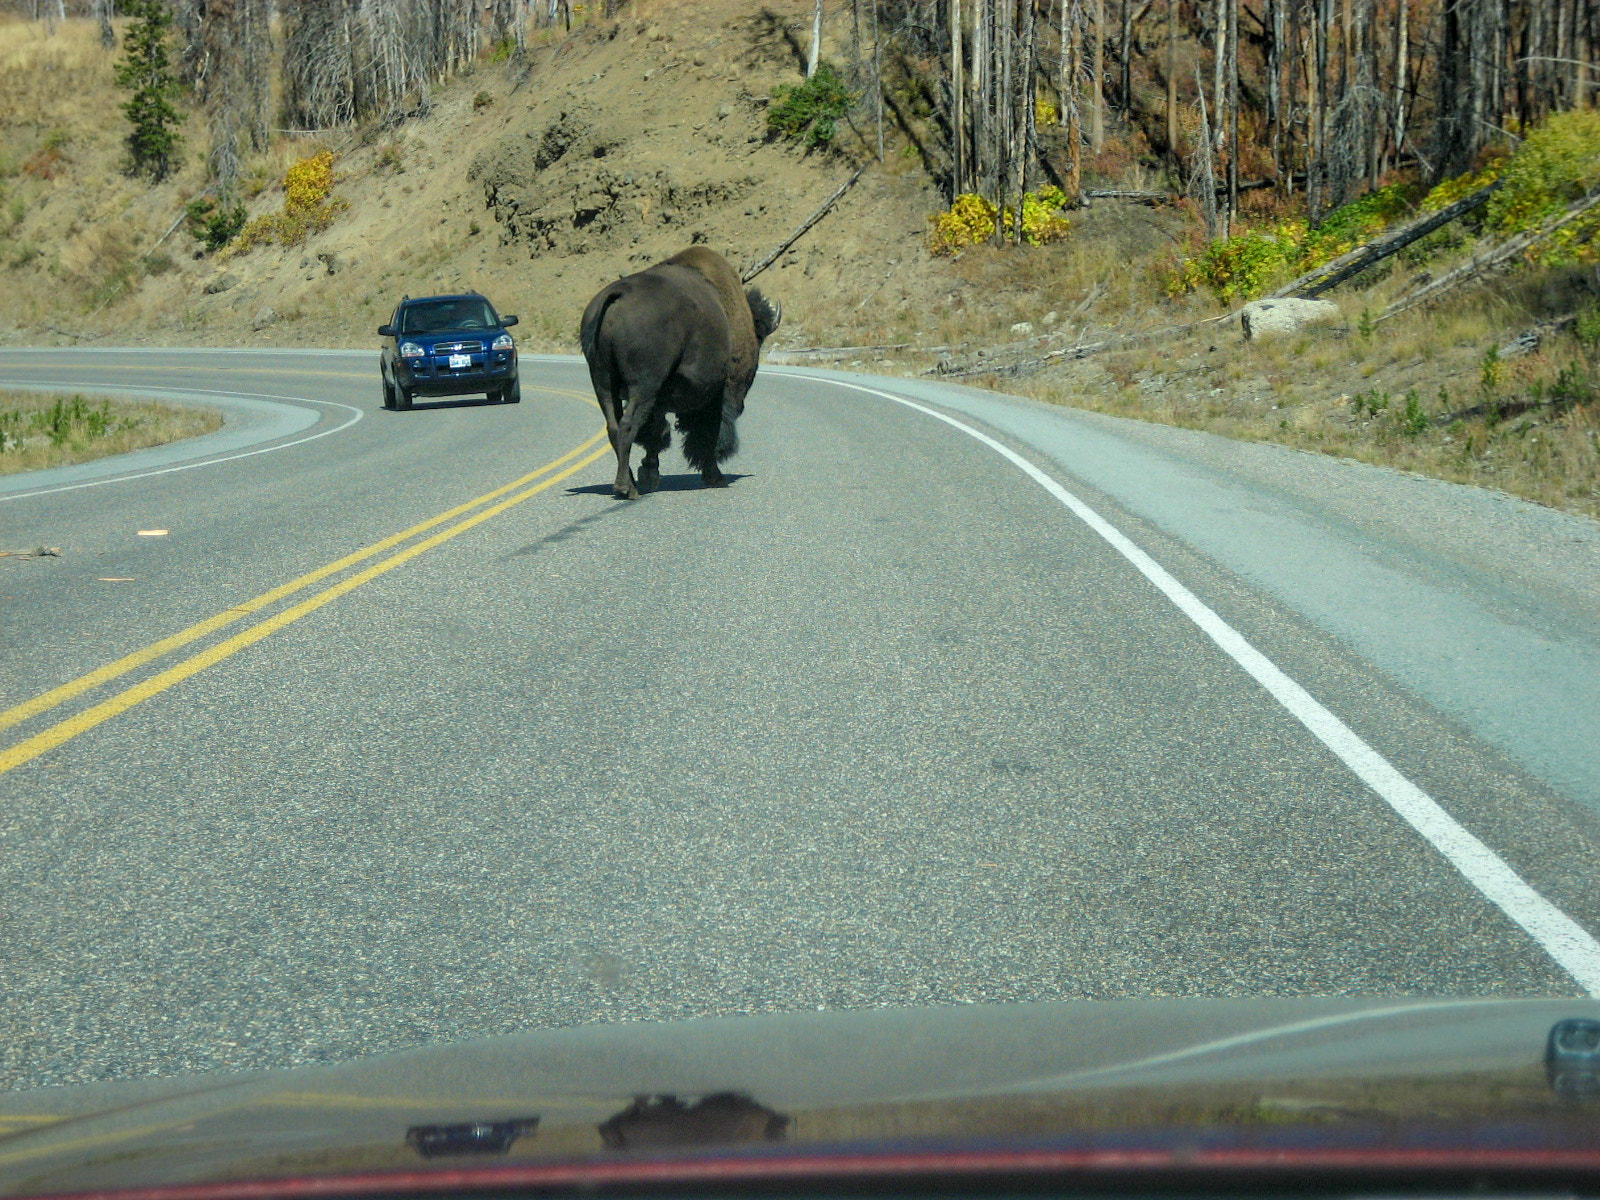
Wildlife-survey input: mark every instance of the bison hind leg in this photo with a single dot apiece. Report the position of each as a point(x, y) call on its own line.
point(654, 437)
point(727, 435)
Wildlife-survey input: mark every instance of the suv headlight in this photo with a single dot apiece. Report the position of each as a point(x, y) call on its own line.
point(503, 342)
point(410, 350)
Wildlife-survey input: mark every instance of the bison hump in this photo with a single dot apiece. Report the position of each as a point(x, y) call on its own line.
point(730, 293)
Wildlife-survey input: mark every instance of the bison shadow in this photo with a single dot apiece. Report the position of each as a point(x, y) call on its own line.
point(669, 483)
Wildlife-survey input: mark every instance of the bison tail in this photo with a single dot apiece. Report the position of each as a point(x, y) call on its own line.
point(589, 333)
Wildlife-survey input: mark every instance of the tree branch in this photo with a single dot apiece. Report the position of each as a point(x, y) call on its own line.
point(751, 272)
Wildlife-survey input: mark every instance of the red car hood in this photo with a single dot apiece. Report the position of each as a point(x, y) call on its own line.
point(1168, 1092)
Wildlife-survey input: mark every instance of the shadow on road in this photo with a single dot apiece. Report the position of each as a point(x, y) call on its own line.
point(419, 404)
point(687, 482)
point(570, 530)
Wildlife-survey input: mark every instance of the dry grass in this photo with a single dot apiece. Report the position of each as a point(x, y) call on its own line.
point(39, 430)
point(63, 47)
point(1423, 393)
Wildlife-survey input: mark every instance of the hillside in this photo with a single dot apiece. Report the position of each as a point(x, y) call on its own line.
point(537, 181)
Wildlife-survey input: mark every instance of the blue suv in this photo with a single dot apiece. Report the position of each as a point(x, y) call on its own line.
point(448, 346)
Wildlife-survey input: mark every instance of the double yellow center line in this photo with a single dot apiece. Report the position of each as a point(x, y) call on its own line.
point(46, 740)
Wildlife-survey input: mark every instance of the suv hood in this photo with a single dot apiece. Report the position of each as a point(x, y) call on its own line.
point(1345, 1073)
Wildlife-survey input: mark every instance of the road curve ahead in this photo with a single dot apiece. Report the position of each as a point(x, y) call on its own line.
point(405, 730)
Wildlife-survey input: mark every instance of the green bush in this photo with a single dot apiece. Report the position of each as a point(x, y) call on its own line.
point(1241, 267)
point(1355, 224)
point(214, 223)
point(1414, 419)
point(810, 112)
point(1245, 265)
point(67, 422)
point(1556, 164)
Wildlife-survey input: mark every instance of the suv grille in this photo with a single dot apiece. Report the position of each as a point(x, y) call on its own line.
point(458, 348)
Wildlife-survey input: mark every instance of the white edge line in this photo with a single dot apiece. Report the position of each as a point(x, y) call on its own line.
point(1573, 948)
point(190, 466)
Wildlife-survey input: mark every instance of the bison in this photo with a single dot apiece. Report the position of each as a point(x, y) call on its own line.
point(680, 337)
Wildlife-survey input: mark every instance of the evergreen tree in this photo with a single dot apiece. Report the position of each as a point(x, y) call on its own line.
point(146, 70)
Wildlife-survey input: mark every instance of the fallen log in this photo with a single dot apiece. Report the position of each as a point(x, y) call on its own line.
point(1495, 257)
point(1146, 197)
point(998, 366)
point(1530, 340)
point(1350, 264)
point(847, 351)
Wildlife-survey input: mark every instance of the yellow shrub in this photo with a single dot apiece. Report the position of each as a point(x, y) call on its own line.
point(971, 221)
point(308, 183)
point(308, 206)
point(1556, 164)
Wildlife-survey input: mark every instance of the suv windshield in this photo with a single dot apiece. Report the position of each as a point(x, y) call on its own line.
point(467, 312)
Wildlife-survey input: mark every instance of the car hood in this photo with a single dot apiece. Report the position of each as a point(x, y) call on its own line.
point(764, 1089)
point(482, 333)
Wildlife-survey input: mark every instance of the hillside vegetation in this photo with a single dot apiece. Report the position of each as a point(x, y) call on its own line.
point(536, 173)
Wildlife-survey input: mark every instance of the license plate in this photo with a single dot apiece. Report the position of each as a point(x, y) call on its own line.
point(460, 362)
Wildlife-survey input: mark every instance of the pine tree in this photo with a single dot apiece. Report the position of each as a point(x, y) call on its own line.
point(146, 70)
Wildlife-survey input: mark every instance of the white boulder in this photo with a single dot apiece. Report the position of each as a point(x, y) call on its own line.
point(1273, 318)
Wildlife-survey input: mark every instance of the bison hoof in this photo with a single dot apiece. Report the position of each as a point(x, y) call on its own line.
point(649, 479)
point(714, 478)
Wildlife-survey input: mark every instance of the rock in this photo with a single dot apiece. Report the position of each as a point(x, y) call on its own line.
point(263, 318)
point(222, 283)
point(1022, 328)
point(1275, 318)
point(330, 259)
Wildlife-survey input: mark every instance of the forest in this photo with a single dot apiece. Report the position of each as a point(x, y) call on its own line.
point(1307, 103)
point(1317, 101)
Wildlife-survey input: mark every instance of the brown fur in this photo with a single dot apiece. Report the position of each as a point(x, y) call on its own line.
point(743, 345)
point(681, 337)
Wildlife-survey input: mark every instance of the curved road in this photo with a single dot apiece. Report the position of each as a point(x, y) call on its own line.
point(405, 730)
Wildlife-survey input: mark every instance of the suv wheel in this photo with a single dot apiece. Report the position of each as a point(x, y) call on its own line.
point(512, 394)
point(402, 398)
point(388, 395)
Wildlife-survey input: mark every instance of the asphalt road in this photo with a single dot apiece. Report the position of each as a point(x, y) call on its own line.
point(406, 731)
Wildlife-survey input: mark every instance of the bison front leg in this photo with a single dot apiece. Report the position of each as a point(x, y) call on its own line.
point(704, 442)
